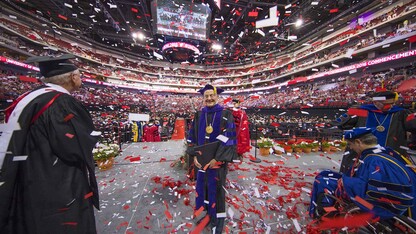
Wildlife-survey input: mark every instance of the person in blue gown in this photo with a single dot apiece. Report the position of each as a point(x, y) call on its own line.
point(379, 175)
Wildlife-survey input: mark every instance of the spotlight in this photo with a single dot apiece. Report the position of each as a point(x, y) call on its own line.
point(216, 46)
point(299, 22)
point(138, 35)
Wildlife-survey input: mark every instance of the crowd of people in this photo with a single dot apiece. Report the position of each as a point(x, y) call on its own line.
point(110, 106)
point(102, 64)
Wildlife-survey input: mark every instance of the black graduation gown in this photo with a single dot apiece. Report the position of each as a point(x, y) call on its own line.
point(50, 191)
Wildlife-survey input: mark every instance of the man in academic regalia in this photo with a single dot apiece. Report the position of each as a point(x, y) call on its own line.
point(212, 123)
point(151, 132)
point(379, 176)
point(389, 122)
point(242, 129)
point(47, 180)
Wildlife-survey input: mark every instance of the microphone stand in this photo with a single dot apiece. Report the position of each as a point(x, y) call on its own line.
point(255, 160)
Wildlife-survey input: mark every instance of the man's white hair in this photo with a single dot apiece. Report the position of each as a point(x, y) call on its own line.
point(59, 79)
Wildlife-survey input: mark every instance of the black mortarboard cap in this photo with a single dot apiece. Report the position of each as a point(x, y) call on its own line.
point(209, 87)
point(384, 95)
point(52, 66)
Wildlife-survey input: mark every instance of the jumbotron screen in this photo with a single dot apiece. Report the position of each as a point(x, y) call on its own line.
point(181, 19)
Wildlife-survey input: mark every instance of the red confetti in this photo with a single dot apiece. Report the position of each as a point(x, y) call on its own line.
point(68, 117)
point(70, 223)
point(386, 200)
point(364, 202)
point(135, 159)
point(199, 211)
point(201, 225)
point(227, 100)
point(357, 112)
point(329, 209)
point(253, 14)
point(186, 202)
point(351, 222)
point(62, 17)
point(410, 117)
point(134, 10)
point(335, 10)
point(162, 160)
point(69, 135)
point(126, 207)
point(88, 195)
point(168, 215)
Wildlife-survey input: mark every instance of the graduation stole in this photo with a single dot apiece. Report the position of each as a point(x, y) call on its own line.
point(216, 123)
point(13, 118)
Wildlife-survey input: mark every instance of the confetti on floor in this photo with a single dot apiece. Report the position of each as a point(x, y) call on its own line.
point(148, 195)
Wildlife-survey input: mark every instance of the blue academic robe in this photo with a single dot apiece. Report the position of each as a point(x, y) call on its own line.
point(378, 177)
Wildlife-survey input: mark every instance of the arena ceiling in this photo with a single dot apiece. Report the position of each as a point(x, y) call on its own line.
point(113, 22)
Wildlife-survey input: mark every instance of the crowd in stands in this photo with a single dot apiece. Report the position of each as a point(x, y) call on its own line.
point(107, 65)
point(110, 105)
point(341, 92)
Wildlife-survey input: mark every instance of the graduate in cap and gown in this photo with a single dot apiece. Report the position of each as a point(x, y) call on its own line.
point(47, 179)
point(242, 129)
point(379, 175)
point(389, 122)
point(212, 123)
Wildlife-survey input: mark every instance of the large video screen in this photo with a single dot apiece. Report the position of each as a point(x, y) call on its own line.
point(181, 19)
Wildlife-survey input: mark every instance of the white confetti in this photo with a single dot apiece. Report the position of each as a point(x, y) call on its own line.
point(306, 190)
point(297, 226)
point(20, 158)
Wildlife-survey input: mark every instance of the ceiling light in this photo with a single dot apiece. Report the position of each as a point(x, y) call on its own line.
point(299, 22)
point(138, 35)
point(216, 46)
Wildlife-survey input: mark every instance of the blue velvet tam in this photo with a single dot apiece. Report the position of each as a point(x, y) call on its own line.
point(356, 133)
point(209, 87)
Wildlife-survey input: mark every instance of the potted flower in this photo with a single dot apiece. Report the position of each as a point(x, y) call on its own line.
point(343, 145)
point(306, 148)
point(325, 146)
point(104, 155)
point(297, 148)
point(315, 146)
point(264, 145)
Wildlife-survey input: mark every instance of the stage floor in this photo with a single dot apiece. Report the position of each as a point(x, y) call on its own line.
point(148, 195)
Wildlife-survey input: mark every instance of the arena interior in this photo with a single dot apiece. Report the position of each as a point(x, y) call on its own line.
point(294, 65)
